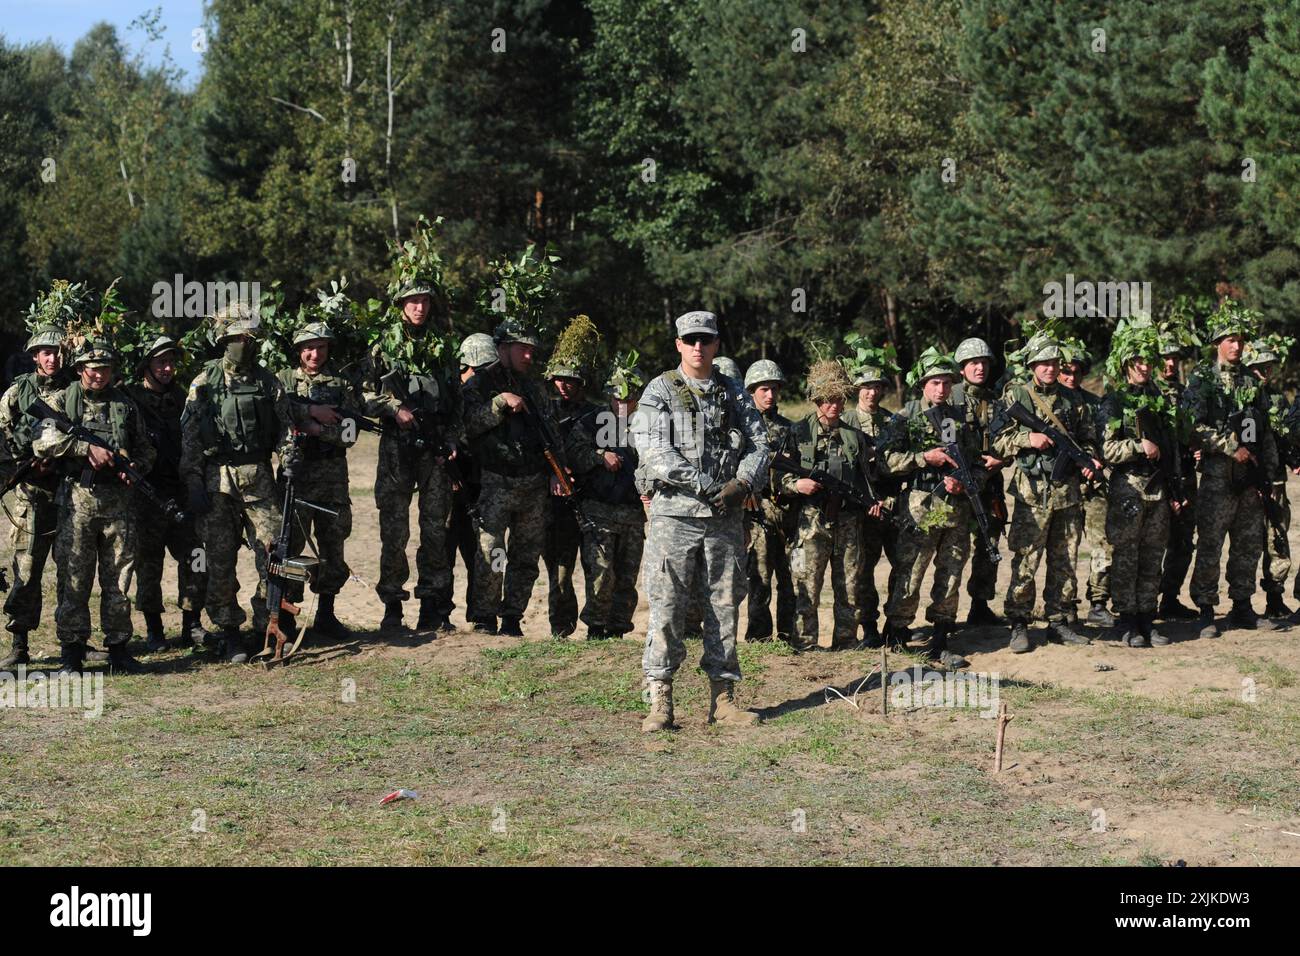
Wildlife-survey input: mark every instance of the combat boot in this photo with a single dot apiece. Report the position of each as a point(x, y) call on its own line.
point(392, 622)
point(91, 655)
point(938, 649)
point(235, 651)
point(72, 657)
point(1066, 634)
point(192, 632)
point(120, 660)
point(1243, 616)
point(1154, 637)
point(325, 623)
point(428, 620)
point(981, 615)
point(897, 636)
point(723, 708)
point(1276, 606)
point(870, 635)
point(1020, 638)
point(1131, 631)
point(155, 637)
point(19, 653)
point(661, 707)
point(1172, 609)
point(487, 625)
point(510, 627)
point(1099, 615)
point(1208, 627)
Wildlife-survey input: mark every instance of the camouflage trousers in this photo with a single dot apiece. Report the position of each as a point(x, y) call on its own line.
point(947, 547)
point(560, 555)
point(680, 551)
point(819, 542)
point(252, 503)
point(1178, 555)
point(35, 518)
point(1095, 515)
point(1276, 565)
point(155, 537)
point(1238, 516)
point(983, 582)
point(506, 567)
point(768, 561)
point(1035, 532)
point(96, 534)
point(611, 562)
point(878, 537)
point(328, 534)
point(695, 606)
point(400, 474)
point(1138, 530)
point(462, 537)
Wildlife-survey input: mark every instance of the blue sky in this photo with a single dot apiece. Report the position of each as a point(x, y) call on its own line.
point(66, 21)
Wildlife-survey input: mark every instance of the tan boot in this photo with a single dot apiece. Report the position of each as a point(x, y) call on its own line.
point(723, 708)
point(661, 707)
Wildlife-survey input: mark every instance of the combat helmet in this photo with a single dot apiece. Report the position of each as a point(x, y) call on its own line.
point(477, 350)
point(764, 370)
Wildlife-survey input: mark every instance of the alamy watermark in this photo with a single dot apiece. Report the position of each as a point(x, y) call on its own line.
point(917, 688)
point(179, 299)
point(1089, 300)
point(61, 690)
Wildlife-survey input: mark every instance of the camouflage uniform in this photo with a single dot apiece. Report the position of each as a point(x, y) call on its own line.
point(828, 529)
point(699, 434)
point(978, 403)
point(563, 537)
point(515, 491)
point(946, 544)
point(96, 532)
point(234, 418)
point(1137, 519)
point(879, 536)
point(1228, 508)
point(1048, 516)
point(404, 470)
point(30, 507)
point(769, 531)
point(1095, 517)
point(155, 534)
point(1276, 565)
point(1182, 526)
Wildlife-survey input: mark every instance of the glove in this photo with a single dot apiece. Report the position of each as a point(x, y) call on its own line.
point(732, 493)
point(197, 502)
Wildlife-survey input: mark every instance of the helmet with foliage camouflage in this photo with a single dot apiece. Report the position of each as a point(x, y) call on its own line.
point(565, 370)
point(626, 380)
point(971, 349)
point(867, 374)
point(312, 331)
point(1231, 319)
point(1170, 348)
point(45, 337)
point(95, 353)
point(727, 367)
point(1259, 353)
point(764, 370)
point(1042, 348)
point(409, 286)
point(478, 350)
point(930, 364)
point(828, 382)
point(515, 330)
point(233, 320)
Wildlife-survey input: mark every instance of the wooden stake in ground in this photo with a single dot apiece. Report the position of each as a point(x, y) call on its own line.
point(884, 681)
point(1003, 719)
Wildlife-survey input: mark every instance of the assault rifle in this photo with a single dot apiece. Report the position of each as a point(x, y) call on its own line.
point(1245, 423)
point(283, 572)
point(426, 435)
point(121, 464)
point(787, 462)
point(551, 451)
point(1068, 452)
point(343, 412)
point(964, 473)
point(1171, 457)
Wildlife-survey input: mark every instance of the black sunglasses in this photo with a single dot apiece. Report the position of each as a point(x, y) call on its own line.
point(699, 338)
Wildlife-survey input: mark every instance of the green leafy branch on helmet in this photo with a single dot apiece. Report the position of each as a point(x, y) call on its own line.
point(64, 305)
point(528, 291)
point(418, 268)
point(576, 349)
point(863, 354)
point(626, 377)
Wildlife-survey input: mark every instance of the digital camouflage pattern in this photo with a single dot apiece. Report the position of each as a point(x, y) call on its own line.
point(769, 531)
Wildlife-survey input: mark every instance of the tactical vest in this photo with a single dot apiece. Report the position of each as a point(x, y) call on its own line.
point(512, 448)
point(614, 487)
point(111, 426)
point(725, 435)
point(327, 388)
point(239, 423)
point(844, 456)
point(1071, 412)
point(24, 429)
point(160, 413)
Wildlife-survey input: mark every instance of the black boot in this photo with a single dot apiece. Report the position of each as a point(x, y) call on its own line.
point(19, 653)
point(1275, 606)
point(155, 637)
point(1208, 627)
point(1020, 638)
point(72, 658)
point(192, 632)
point(938, 649)
point(510, 627)
point(326, 624)
point(1062, 632)
point(235, 651)
point(1154, 637)
point(1099, 615)
point(1171, 609)
point(392, 622)
point(429, 618)
point(897, 636)
point(120, 660)
point(91, 655)
point(981, 615)
point(1243, 616)
point(485, 625)
point(1131, 632)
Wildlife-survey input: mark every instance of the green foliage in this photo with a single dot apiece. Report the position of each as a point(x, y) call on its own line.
point(523, 288)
